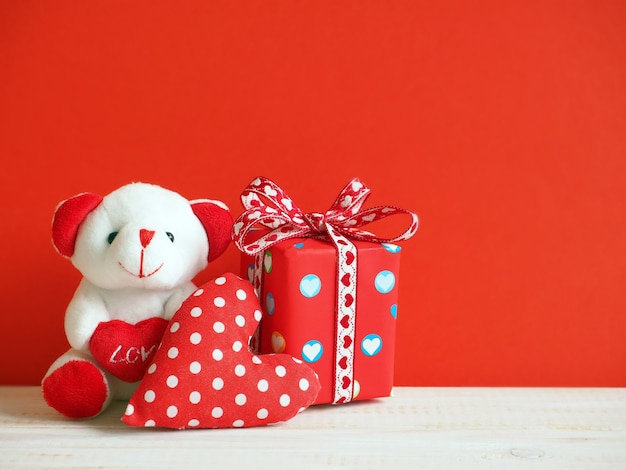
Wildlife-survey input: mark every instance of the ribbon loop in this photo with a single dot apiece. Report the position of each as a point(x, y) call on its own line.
point(285, 219)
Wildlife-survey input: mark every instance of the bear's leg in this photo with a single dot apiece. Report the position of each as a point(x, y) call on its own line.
point(75, 386)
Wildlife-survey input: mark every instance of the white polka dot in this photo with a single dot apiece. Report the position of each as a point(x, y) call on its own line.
point(302, 409)
point(263, 385)
point(149, 396)
point(262, 413)
point(172, 411)
point(220, 281)
point(150, 423)
point(218, 383)
point(258, 315)
point(217, 412)
point(172, 352)
point(130, 409)
point(238, 423)
point(174, 327)
point(198, 293)
point(240, 320)
point(193, 423)
point(241, 399)
point(195, 367)
point(304, 384)
point(217, 355)
point(219, 302)
point(195, 397)
point(196, 312)
point(257, 360)
point(172, 381)
point(237, 345)
point(285, 400)
point(280, 371)
point(195, 338)
point(240, 370)
point(241, 294)
point(296, 360)
point(152, 368)
point(218, 327)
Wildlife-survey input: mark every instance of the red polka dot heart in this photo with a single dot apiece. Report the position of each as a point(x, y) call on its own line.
point(204, 376)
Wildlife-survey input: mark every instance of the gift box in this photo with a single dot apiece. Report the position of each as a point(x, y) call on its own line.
point(328, 289)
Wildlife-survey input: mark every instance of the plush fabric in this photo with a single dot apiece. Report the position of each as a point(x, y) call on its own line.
point(138, 249)
point(204, 375)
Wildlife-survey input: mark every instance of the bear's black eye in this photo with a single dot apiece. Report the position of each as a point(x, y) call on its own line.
point(170, 235)
point(111, 237)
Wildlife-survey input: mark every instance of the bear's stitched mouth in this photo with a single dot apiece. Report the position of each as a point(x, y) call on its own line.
point(141, 274)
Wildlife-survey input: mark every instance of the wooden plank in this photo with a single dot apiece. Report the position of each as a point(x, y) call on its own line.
point(416, 428)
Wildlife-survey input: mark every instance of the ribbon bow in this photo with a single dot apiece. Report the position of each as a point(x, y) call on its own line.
point(341, 223)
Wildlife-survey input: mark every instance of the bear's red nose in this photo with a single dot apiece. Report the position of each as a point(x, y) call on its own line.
point(145, 236)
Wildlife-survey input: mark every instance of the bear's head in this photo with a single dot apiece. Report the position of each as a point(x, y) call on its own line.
point(141, 236)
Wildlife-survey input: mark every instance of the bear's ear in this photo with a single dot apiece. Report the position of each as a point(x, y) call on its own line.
point(217, 223)
point(68, 216)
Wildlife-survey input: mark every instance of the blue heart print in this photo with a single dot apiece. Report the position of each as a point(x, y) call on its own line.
point(394, 311)
point(312, 351)
point(269, 303)
point(391, 248)
point(310, 285)
point(371, 345)
point(385, 282)
point(298, 245)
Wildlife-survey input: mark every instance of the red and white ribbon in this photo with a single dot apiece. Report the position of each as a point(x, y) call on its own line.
point(268, 205)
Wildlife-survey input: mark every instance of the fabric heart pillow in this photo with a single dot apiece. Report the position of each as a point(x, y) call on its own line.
point(204, 375)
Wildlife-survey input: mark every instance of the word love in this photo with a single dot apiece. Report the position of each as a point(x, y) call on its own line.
point(132, 354)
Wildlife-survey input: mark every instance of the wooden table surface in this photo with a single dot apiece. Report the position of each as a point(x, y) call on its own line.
point(417, 428)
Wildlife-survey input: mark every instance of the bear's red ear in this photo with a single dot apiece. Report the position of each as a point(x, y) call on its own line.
point(217, 223)
point(68, 217)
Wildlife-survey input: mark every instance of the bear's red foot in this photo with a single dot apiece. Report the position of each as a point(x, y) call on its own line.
point(77, 389)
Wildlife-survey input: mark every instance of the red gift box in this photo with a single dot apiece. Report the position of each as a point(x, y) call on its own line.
point(298, 300)
point(329, 299)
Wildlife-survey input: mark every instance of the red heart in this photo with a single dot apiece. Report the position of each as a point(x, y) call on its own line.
point(345, 321)
point(349, 258)
point(204, 375)
point(343, 363)
point(347, 341)
point(271, 238)
point(349, 300)
point(345, 280)
point(345, 383)
point(126, 350)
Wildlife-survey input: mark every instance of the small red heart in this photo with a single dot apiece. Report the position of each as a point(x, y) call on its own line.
point(271, 238)
point(347, 341)
point(345, 321)
point(349, 258)
point(255, 203)
point(345, 382)
point(126, 350)
point(204, 375)
point(285, 229)
point(349, 300)
point(345, 280)
point(342, 242)
point(343, 363)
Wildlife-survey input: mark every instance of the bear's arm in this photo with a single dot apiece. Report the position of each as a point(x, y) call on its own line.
point(176, 299)
point(84, 313)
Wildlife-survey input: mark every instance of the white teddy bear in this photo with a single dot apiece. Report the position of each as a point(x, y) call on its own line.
point(138, 250)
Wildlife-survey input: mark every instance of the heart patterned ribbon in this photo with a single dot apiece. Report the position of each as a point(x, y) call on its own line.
point(267, 204)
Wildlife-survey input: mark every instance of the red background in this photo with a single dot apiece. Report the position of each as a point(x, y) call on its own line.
point(502, 124)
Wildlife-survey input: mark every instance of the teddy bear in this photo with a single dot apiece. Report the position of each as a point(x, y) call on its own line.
point(138, 250)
